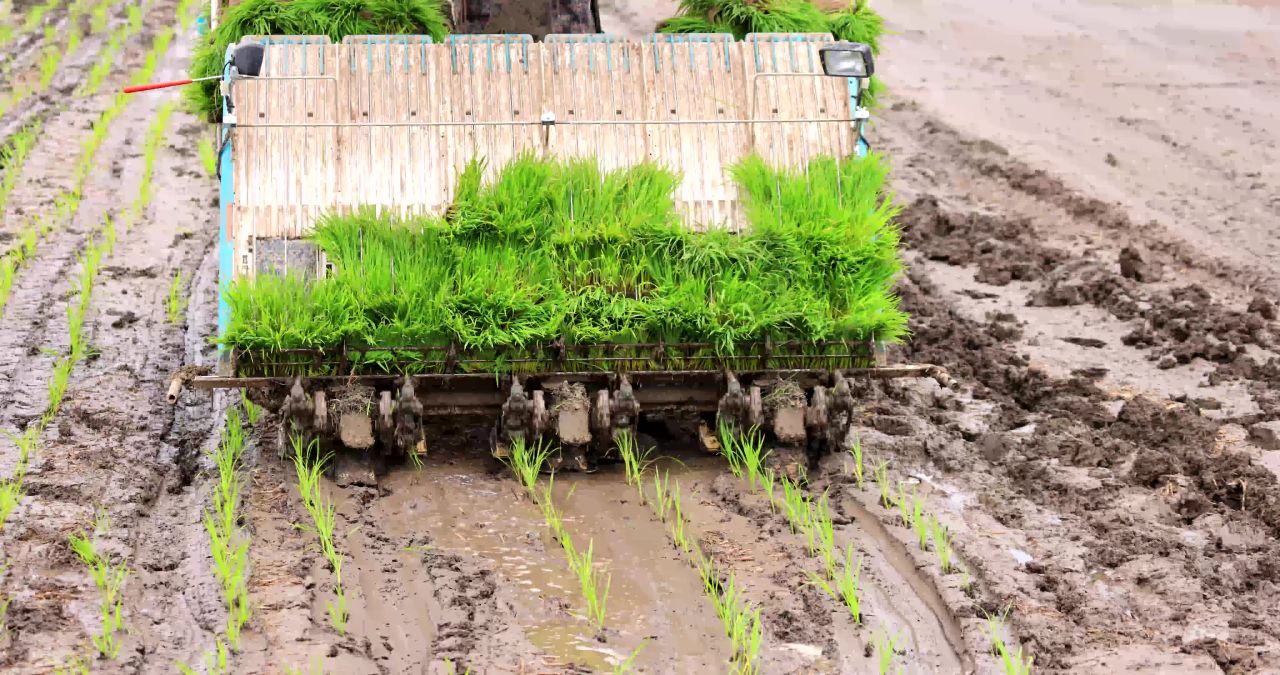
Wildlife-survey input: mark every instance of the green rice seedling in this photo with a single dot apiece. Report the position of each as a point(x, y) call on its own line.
point(768, 480)
point(825, 535)
point(109, 578)
point(882, 481)
point(11, 494)
point(634, 462)
point(617, 268)
point(58, 386)
point(677, 520)
point(886, 645)
point(966, 582)
point(73, 664)
point(904, 506)
point(730, 448)
point(13, 155)
point(451, 669)
point(49, 62)
point(662, 493)
point(741, 622)
point(918, 520)
point(798, 511)
point(334, 18)
point(217, 662)
point(4, 618)
point(8, 271)
point(527, 461)
point(228, 545)
point(594, 584)
point(35, 15)
point(252, 411)
point(846, 586)
point(941, 543)
point(623, 667)
point(1012, 661)
point(309, 466)
point(317, 669)
point(208, 156)
point(337, 608)
point(751, 449)
point(176, 303)
point(858, 471)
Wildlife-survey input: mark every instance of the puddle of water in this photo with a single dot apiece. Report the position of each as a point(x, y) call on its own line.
point(654, 590)
point(470, 514)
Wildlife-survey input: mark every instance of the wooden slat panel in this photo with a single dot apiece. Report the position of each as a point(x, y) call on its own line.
point(471, 89)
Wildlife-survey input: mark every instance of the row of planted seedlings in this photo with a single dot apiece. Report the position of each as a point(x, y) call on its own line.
point(527, 461)
point(740, 620)
point(841, 576)
point(310, 466)
point(932, 535)
point(66, 204)
point(55, 50)
point(811, 518)
point(841, 579)
point(228, 542)
point(108, 577)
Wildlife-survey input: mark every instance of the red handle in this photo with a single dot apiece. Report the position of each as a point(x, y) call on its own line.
point(156, 85)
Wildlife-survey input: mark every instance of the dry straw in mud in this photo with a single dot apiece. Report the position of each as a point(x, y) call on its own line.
point(554, 251)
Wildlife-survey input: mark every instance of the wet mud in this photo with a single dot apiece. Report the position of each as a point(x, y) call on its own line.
point(1106, 463)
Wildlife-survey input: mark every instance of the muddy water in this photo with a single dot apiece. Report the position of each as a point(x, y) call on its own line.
point(487, 531)
point(655, 592)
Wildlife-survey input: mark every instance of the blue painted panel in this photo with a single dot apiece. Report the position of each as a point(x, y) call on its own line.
point(226, 248)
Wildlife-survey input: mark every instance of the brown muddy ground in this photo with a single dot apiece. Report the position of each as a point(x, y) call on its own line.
point(1089, 190)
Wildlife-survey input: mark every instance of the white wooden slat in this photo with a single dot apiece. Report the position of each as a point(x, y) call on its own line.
point(475, 86)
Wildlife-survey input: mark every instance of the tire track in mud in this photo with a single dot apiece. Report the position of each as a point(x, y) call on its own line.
point(806, 629)
point(107, 446)
point(443, 562)
point(504, 598)
point(1116, 501)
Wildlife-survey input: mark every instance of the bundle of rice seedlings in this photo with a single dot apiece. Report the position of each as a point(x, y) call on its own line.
point(561, 252)
point(853, 21)
point(334, 18)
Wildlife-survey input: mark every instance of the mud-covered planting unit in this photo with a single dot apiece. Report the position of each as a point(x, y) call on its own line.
point(687, 222)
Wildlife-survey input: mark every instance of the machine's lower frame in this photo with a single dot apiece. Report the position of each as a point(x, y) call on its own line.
point(579, 414)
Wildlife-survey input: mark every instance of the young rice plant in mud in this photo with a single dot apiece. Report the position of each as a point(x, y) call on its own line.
point(919, 522)
point(855, 451)
point(634, 461)
point(228, 544)
point(741, 622)
point(109, 578)
point(208, 156)
point(1012, 661)
point(886, 645)
point(252, 411)
point(175, 303)
point(846, 586)
point(527, 462)
point(216, 662)
point(594, 583)
point(881, 475)
point(309, 466)
point(941, 544)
